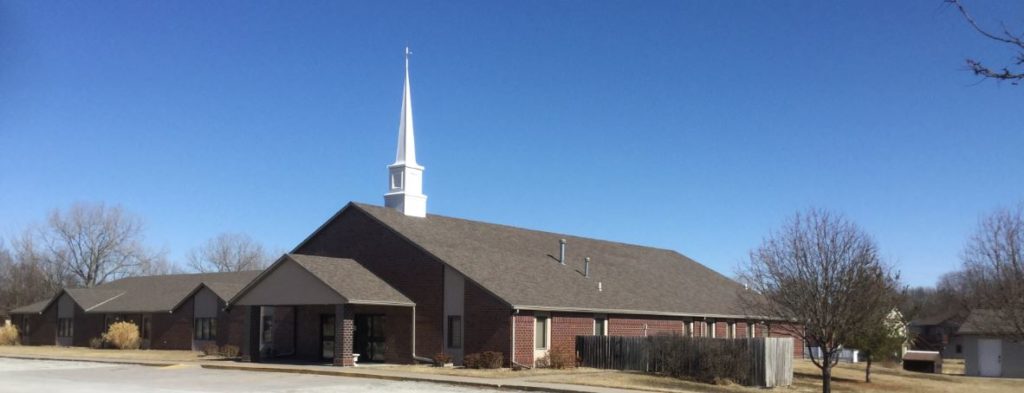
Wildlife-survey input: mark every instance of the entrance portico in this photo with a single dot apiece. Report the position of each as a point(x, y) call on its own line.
point(318, 309)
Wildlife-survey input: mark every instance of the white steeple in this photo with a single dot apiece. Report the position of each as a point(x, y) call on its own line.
point(405, 177)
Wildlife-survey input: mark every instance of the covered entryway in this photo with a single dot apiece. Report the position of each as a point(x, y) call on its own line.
point(328, 310)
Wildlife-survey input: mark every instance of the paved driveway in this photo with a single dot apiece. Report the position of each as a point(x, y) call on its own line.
point(59, 376)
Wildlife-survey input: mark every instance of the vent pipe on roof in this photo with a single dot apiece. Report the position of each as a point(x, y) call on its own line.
point(561, 251)
point(586, 267)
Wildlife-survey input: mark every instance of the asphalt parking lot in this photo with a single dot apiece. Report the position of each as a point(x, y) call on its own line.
point(60, 376)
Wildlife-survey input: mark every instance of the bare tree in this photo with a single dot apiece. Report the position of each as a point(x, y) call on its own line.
point(993, 269)
point(22, 281)
point(1014, 40)
point(93, 243)
point(822, 273)
point(228, 252)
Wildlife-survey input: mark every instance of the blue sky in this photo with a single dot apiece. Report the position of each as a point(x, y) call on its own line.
point(692, 126)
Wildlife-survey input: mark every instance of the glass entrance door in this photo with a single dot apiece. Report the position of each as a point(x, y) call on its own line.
point(370, 342)
point(327, 333)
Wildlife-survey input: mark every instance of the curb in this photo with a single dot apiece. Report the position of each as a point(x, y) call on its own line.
point(111, 361)
point(495, 386)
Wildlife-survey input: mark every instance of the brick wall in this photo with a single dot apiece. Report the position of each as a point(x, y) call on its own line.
point(173, 330)
point(353, 234)
point(721, 329)
point(524, 338)
point(42, 327)
point(230, 325)
point(486, 323)
point(634, 325)
point(788, 330)
point(86, 327)
point(397, 330)
point(565, 327)
point(345, 339)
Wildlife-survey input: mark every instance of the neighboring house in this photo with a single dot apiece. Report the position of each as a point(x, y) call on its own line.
point(989, 349)
point(396, 284)
point(937, 333)
point(183, 311)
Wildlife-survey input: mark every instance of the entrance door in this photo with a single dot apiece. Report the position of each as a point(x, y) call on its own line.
point(327, 333)
point(990, 354)
point(369, 338)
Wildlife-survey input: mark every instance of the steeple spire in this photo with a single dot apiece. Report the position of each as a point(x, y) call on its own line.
point(405, 185)
point(406, 138)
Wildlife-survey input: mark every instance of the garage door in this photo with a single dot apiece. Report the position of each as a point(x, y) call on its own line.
point(990, 354)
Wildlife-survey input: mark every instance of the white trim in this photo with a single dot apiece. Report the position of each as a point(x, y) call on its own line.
point(711, 328)
point(605, 327)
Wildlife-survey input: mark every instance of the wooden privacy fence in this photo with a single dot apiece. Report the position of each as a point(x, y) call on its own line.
point(758, 361)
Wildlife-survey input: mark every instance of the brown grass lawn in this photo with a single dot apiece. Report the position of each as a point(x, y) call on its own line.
point(494, 373)
point(807, 378)
point(107, 354)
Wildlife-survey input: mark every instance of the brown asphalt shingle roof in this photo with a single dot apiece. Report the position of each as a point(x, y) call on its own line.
point(351, 280)
point(147, 293)
point(520, 266)
point(164, 293)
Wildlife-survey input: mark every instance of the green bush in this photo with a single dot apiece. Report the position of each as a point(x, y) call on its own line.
point(123, 335)
point(229, 351)
point(9, 335)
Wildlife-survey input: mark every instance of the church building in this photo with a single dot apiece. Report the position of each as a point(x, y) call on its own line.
point(397, 284)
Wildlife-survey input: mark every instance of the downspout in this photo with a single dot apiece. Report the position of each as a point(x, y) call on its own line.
point(512, 358)
point(414, 357)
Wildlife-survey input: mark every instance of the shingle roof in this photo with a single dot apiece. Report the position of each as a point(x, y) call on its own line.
point(985, 322)
point(33, 308)
point(351, 280)
point(520, 266)
point(147, 293)
point(164, 293)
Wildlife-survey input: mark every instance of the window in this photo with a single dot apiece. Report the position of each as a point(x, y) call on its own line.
point(268, 329)
point(28, 327)
point(205, 329)
point(65, 328)
point(731, 330)
point(540, 333)
point(959, 348)
point(750, 330)
point(688, 328)
point(601, 326)
point(147, 325)
point(455, 331)
point(711, 329)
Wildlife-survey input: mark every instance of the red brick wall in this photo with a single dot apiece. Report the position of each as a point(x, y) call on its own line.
point(413, 272)
point(788, 330)
point(721, 329)
point(231, 326)
point(741, 329)
point(524, 338)
point(173, 330)
point(486, 322)
point(637, 325)
point(565, 327)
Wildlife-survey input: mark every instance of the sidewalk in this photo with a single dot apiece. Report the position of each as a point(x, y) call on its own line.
point(515, 383)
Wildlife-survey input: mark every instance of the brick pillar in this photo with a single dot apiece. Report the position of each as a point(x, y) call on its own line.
point(251, 335)
point(344, 324)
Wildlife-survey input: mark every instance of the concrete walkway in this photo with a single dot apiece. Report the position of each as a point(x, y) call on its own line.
point(515, 383)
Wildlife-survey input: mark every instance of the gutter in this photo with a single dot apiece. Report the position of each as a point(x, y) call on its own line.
point(414, 357)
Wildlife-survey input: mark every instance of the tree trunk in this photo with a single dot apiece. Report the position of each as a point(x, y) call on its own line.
point(867, 371)
point(826, 378)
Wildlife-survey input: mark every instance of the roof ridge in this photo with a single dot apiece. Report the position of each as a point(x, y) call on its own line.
point(429, 215)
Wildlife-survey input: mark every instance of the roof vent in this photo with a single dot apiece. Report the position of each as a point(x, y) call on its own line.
point(561, 251)
point(586, 267)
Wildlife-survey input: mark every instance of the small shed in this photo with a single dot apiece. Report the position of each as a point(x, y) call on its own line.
point(923, 362)
point(992, 347)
